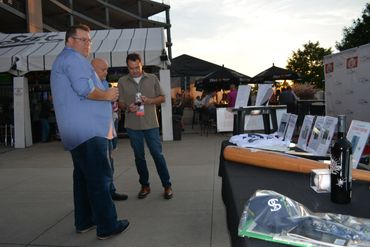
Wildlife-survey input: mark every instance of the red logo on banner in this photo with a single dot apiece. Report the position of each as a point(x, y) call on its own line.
point(329, 68)
point(352, 62)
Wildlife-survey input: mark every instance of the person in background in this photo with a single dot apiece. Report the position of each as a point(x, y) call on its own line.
point(45, 112)
point(144, 90)
point(101, 69)
point(116, 112)
point(197, 107)
point(179, 104)
point(274, 100)
point(84, 115)
point(209, 103)
point(231, 97)
point(197, 103)
point(178, 108)
point(223, 101)
point(289, 98)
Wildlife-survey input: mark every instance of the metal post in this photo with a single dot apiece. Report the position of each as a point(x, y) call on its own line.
point(6, 135)
point(11, 130)
point(168, 29)
point(1, 133)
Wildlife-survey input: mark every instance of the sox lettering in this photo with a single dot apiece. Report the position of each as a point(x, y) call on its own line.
point(273, 203)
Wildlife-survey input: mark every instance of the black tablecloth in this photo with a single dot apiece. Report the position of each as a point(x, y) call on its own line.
point(239, 183)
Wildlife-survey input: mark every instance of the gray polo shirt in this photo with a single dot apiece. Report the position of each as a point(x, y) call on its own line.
point(148, 86)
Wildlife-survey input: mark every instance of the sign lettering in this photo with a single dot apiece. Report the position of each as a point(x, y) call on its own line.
point(22, 39)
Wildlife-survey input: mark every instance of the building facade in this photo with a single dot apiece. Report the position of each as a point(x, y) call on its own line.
point(22, 16)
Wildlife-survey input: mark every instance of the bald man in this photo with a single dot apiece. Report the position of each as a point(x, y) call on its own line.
point(101, 69)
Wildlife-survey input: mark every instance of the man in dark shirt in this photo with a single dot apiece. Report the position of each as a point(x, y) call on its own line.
point(288, 97)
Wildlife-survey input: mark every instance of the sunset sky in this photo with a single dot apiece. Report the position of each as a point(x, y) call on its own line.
point(248, 36)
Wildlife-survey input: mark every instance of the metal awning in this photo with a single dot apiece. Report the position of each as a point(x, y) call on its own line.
point(24, 52)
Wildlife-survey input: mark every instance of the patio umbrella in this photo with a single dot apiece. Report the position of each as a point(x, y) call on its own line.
point(274, 73)
point(220, 79)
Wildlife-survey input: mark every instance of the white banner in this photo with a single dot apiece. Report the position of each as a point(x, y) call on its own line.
point(347, 84)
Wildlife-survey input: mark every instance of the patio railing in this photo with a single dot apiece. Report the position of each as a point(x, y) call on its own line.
point(7, 135)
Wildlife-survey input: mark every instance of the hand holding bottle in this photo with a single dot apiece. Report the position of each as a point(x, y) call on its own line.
point(112, 94)
point(140, 105)
point(132, 107)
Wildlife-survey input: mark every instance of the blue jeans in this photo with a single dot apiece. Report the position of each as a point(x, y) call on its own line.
point(153, 142)
point(92, 177)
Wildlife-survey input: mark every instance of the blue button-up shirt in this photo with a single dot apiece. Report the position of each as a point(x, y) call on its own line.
point(79, 118)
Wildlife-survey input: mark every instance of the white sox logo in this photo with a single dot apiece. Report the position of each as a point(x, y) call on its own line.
point(273, 203)
point(23, 39)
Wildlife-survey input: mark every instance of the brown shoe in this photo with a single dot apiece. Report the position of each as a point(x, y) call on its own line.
point(145, 190)
point(168, 194)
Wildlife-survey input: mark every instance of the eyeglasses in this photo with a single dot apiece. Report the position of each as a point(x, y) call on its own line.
point(85, 40)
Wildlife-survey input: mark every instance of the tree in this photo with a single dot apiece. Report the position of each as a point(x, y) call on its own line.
point(358, 34)
point(308, 63)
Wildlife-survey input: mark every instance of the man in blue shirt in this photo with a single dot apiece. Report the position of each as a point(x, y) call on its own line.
point(84, 116)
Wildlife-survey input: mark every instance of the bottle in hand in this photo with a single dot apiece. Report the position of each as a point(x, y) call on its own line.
point(341, 167)
point(139, 103)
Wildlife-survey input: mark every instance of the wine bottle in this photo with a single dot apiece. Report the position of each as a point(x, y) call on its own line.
point(341, 167)
point(139, 103)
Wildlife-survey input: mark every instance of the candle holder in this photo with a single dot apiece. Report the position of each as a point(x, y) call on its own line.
point(320, 180)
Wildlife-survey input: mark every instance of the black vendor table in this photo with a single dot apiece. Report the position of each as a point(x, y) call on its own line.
point(266, 112)
point(239, 183)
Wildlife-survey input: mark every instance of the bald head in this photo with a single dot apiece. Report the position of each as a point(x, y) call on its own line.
point(101, 67)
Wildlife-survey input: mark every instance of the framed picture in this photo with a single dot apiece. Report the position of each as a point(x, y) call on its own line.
point(358, 135)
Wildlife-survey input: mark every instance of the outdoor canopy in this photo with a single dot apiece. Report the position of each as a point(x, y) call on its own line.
point(24, 52)
point(274, 73)
point(221, 79)
point(186, 65)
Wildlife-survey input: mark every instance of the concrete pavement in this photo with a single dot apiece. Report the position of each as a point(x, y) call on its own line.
point(36, 203)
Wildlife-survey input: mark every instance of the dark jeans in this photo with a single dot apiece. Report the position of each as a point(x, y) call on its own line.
point(115, 139)
point(111, 147)
point(92, 178)
point(153, 142)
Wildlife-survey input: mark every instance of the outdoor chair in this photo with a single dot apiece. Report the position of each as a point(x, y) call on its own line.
point(196, 117)
point(206, 121)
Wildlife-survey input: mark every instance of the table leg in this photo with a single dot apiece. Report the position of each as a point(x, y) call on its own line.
point(235, 124)
point(266, 122)
point(274, 120)
point(239, 127)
